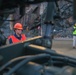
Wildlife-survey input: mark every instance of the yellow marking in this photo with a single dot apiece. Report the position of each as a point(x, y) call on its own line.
point(37, 37)
point(38, 47)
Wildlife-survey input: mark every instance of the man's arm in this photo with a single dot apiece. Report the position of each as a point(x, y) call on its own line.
point(10, 41)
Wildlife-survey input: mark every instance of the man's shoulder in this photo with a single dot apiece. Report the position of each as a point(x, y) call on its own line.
point(10, 36)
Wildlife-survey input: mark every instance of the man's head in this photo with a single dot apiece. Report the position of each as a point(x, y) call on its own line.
point(18, 28)
point(75, 25)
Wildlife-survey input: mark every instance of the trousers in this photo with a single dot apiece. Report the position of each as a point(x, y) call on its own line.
point(74, 41)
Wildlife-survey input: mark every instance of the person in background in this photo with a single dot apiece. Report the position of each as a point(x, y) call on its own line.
point(18, 36)
point(74, 35)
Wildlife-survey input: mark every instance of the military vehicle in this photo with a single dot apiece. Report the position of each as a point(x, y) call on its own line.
point(33, 56)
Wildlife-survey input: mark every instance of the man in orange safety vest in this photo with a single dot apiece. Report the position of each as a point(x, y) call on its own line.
point(18, 36)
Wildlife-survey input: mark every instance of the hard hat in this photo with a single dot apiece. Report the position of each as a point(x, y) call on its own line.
point(18, 26)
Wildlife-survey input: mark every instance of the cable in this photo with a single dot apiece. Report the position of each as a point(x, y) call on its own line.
point(26, 61)
point(13, 60)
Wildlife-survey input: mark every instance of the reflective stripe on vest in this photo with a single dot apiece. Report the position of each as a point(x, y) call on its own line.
point(74, 32)
point(15, 40)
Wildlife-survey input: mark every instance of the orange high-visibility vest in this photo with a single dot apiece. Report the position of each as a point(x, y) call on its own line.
point(15, 40)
